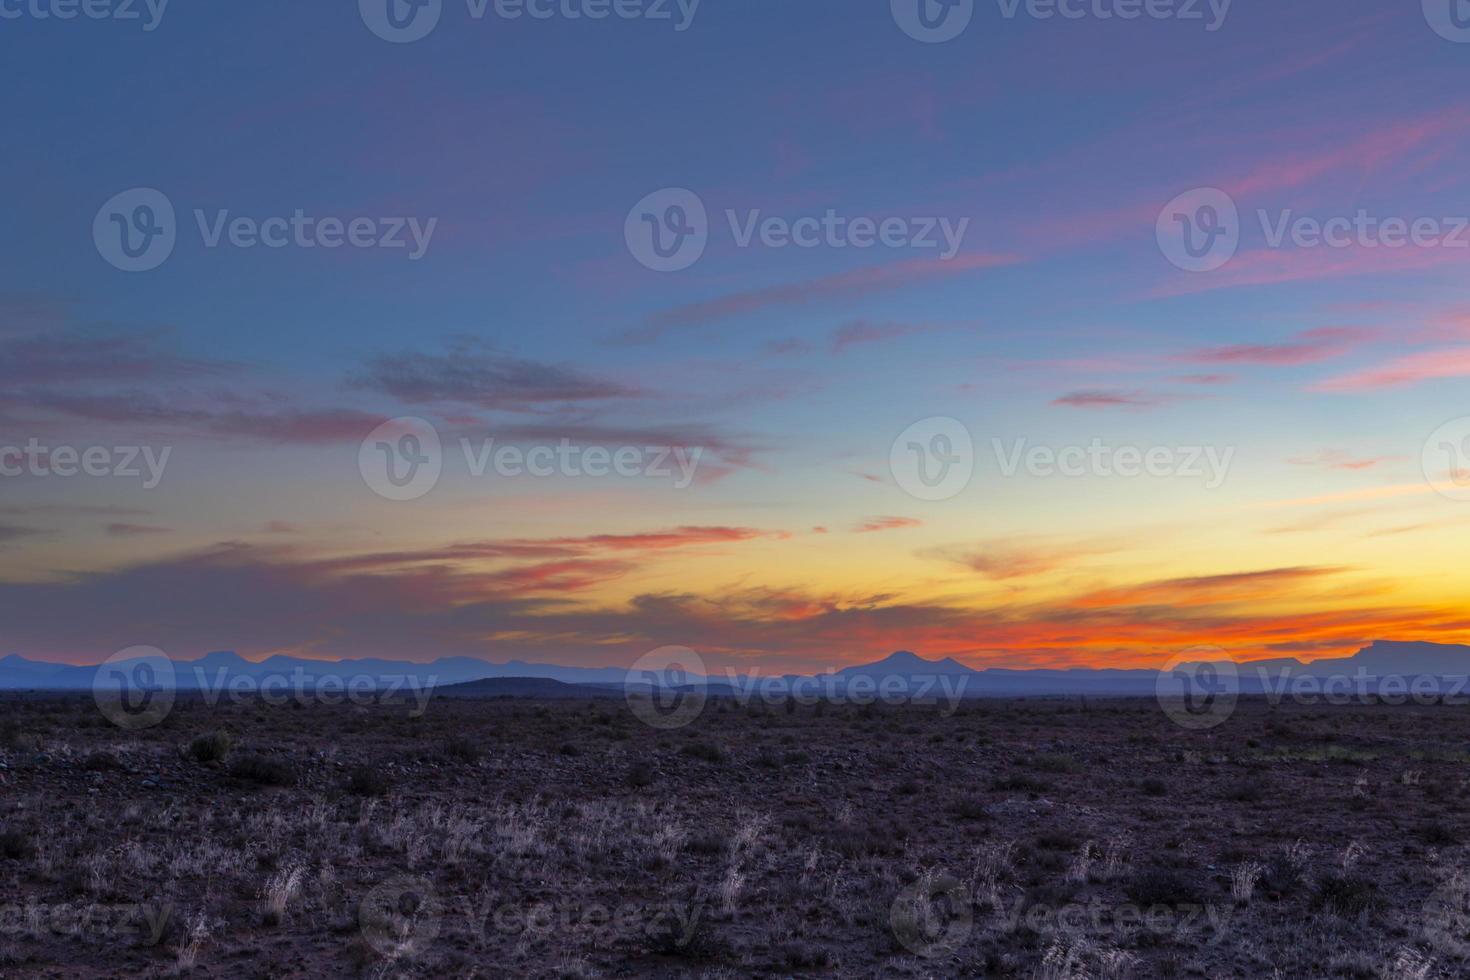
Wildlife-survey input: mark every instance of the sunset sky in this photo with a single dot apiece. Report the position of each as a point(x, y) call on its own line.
point(1322, 371)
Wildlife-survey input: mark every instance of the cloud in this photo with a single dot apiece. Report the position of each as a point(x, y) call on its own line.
point(261, 601)
point(1337, 459)
point(72, 355)
point(1307, 347)
point(12, 532)
point(120, 530)
point(858, 332)
point(1013, 558)
point(843, 286)
point(886, 524)
point(1402, 371)
point(1109, 399)
point(471, 374)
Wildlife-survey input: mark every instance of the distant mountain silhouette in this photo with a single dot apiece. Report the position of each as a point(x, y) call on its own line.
point(902, 669)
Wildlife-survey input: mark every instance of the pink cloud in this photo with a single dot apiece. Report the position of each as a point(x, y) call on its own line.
point(1307, 347)
point(886, 524)
point(845, 285)
point(1406, 370)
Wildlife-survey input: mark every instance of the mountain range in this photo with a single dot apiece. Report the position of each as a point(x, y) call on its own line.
point(902, 671)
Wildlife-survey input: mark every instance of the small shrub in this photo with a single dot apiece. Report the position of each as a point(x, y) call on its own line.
point(704, 751)
point(1154, 787)
point(1245, 792)
point(368, 781)
point(210, 748)
point(462, 750)
point(1161, 886)
point(259, 769)
point(640, 774)
point(1346, 895)
point(1019, 783)
point(15, 845)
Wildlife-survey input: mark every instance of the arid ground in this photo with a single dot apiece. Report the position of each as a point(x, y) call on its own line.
point(495, 838)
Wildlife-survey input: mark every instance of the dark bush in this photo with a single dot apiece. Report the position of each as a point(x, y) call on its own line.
point(259, 769)
point(210, 748)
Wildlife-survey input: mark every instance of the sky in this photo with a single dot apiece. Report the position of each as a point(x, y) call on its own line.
point(803, 332)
